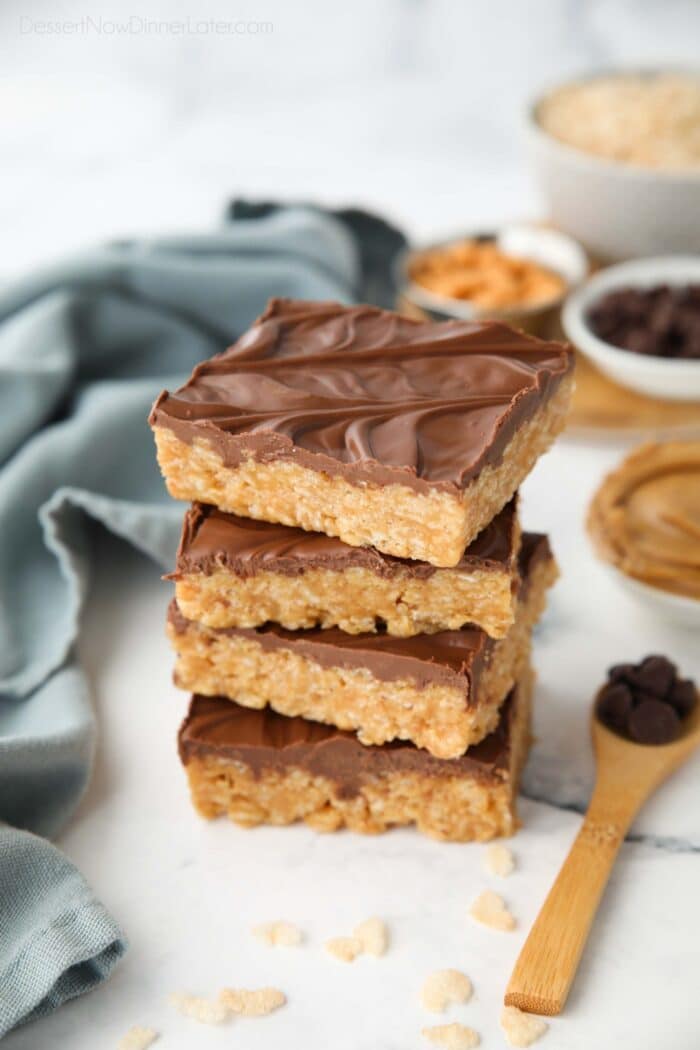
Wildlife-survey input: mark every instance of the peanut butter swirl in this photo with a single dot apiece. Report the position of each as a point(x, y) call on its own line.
point(384, 400)
point(645, 517)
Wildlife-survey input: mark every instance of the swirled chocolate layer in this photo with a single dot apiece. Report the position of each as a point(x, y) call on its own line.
point(367, 394)
point(265, 742)
point(212, 540)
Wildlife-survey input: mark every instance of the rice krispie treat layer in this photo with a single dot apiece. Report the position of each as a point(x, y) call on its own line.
point(441, 691)
point(411, 447)
point(236, 572)
point(258, 767)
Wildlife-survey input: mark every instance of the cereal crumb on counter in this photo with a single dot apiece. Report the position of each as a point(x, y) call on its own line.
point(443, 988)
point(344, 948)
point(199, 1009)
point(490, 910)
point(138, 1037)
point(499, 860)
point(452, 1036)
point(373, 936)
point(278, 934)
point(521, 1029)
point(252, 1002)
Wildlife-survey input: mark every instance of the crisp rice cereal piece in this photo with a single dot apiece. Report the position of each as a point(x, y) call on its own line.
point(138, 1038)
point(499, 860)
point(373, 936)
point(443, 988)
point(452, 1036)
point(344, 948)
point(490, 910)
point(252, 1002)
point(521, 1029)
point(199, 1009)
point(278, 934)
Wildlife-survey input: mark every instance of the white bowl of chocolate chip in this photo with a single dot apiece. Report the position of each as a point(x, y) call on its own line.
point(639, 322)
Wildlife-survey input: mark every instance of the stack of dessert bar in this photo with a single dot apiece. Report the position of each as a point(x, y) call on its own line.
point(354, 597)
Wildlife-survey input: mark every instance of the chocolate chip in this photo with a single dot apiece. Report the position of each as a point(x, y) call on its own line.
point(653, 722)
point(640, 697)
point(621, 672)
point(662, 321)
point(655, 675)
point(615, 705)
point(646, 701)
point(683, 696)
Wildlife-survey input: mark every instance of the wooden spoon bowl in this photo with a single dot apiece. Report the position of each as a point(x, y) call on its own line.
point(627, 773)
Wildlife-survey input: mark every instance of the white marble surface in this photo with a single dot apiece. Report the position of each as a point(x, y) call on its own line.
point(187, 892)
point(412, 108)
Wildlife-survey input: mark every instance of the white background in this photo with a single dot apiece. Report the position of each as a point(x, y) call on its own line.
point(415, 109)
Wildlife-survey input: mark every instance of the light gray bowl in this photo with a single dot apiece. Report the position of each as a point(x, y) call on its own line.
point(617, 211)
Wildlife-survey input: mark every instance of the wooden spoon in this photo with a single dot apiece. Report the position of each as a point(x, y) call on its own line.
point(627, 774)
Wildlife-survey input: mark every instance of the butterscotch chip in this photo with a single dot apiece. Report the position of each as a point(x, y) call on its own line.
point(373, 936)
point(490, 910)
point(278, 934)
point(481, 272)
point(199, 1009)
point(445, 987)
point(499, 860)
point(344, 948)
point(521, 1029)
point(252, 1002)
point(452, 1036)
point(138, 1038)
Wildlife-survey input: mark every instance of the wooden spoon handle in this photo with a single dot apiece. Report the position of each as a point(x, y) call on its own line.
point(549, 958)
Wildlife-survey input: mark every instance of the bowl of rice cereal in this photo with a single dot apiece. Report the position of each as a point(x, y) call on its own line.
point(617, 157)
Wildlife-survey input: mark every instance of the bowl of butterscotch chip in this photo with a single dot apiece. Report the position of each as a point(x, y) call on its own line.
point(617, 158)
point(520, 274)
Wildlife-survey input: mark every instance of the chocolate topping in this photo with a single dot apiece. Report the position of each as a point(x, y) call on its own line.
point(265, 740)
point(422, 404)
point(447, 657)
point(444, 658)
point(646, 702)
point(299, 328)
point(212, 539)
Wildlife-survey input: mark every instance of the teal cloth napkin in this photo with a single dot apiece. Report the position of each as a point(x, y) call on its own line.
point(84, 349)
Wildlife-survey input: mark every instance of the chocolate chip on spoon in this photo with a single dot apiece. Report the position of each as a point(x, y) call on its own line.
point(647, 701)
point(615, 705)
point(619, 672)
point(653, 722)
point(683, 696)
point(655, 675)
